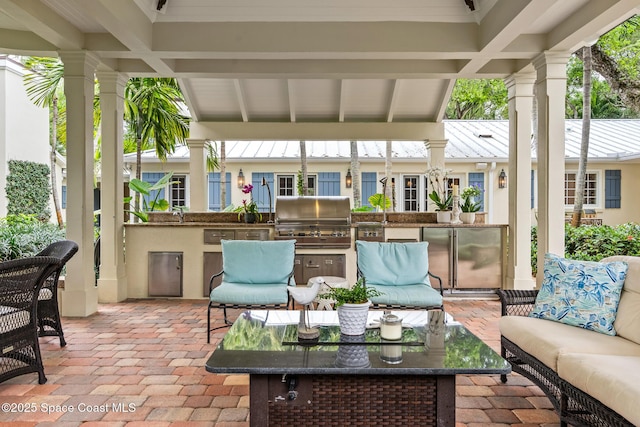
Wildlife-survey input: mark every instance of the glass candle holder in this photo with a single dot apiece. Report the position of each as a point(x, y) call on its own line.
point(390, 327)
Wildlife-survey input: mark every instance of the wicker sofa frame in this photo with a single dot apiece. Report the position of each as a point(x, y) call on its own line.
point(574, 406)
point(49, 323)
point(20, 284)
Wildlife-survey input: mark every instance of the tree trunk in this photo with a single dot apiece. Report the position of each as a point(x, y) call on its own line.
point(223, 175)
point(355, 174)
point(303, 168)
point(387, 173)
point(136, 195)
point(54, 175)
point(584, 147)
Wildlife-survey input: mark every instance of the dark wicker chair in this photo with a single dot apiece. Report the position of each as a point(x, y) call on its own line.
point(20, 284)
point(48, 314)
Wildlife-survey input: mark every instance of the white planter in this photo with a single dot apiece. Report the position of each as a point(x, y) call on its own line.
point(353, 318)
point(443, 217)
point(468, 217)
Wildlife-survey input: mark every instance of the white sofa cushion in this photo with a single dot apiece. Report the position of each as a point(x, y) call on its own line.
point(546, 339)
point(12, 318)
point(627, 322)
point(612, 379)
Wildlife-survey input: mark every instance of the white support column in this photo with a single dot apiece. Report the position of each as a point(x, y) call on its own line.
point(436, 159)
point(80, 296)
point(112, 284)
point(550, 96)
point(198, 176)
point(520, 93)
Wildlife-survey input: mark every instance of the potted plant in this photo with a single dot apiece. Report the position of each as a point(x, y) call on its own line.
point(439, 194)
point(249, 208)
point(352, 305)
point(469, 206)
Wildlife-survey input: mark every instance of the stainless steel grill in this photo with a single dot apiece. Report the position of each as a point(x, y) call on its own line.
point(315, 222)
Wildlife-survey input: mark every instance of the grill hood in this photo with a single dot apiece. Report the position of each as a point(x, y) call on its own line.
point(319, 210)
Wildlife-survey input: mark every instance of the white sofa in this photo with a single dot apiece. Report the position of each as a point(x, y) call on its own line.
point(591, 378)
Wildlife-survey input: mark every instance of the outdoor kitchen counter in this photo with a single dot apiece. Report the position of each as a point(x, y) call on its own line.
point(186, 241)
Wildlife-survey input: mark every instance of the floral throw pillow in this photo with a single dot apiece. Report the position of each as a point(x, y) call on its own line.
point(580, 293)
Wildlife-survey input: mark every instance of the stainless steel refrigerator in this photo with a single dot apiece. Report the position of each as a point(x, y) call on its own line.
point(467, 257)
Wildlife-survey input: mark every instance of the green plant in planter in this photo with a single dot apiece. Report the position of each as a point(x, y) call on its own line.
point(442, 203)
point(439, 181)
point(358, 294)
point(468, 196)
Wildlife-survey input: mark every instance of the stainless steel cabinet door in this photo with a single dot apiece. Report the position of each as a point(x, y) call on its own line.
point(440, 249)
point(165, 274)
point(478, 258)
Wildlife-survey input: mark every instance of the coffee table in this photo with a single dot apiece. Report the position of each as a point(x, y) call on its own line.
point(342, 380)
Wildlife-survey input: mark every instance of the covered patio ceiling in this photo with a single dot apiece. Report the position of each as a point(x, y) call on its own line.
point(242, 63)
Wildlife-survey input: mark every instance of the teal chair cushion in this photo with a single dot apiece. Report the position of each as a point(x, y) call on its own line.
point(393, 264)
point(257, 262)
point(250, 294)
point(409, 295)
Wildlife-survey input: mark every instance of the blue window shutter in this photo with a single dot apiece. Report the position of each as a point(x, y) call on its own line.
point(476, 179)
point(328, 183)
point(63, 202)
point(369, 185)
point(533, 187)
point(612, 188)
point(152, 178)
point(260, 193)
point(214, 190)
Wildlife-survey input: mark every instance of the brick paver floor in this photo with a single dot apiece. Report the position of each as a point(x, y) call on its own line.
point(141, 363)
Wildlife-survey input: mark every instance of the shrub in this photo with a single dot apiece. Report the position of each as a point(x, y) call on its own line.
point(28, 189)
point(24, 235)
point(594, 242)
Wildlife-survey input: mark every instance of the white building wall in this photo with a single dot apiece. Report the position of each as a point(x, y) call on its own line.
point(24, 127)
point(496, 199)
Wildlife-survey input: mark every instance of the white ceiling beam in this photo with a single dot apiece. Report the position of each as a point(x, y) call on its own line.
point(341, 97)
point(502, 26)
point(444, 98)
point(130, 26)
point(189, 98)
point(305, 131)
point(44, 22)
point(393, 100)
point(24, 42)
point(242, 96)
point(299, 37)
point(291, 92)
point(589, 22)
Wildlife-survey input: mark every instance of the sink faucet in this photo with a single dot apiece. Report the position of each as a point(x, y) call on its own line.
point(179, 210)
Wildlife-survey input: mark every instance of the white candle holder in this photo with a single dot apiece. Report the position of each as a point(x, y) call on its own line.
point(455, 215)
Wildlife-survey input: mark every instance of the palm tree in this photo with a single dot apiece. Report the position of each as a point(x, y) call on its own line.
point(584, 146)
point(42, 85)
point(152, 112)
point(355, 171)
point(303, 166)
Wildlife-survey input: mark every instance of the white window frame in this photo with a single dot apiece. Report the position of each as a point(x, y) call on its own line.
point(293, 183)
point(169, 190)
point(598, 188)
point(419, 179)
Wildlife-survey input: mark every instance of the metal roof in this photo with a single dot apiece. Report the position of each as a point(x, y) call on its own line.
point(469, 140)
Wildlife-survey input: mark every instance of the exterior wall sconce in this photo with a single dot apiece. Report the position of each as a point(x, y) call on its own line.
point(502, 179)
point(348, 180)
point(240, 179)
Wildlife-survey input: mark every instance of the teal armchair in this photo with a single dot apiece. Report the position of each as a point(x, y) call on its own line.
point(255, 274)
point(400, 271)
